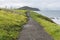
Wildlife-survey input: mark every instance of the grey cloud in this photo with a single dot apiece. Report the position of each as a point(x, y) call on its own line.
point(42, 4)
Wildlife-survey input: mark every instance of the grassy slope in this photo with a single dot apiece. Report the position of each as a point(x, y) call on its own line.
point(10, 24)
point(52, 28)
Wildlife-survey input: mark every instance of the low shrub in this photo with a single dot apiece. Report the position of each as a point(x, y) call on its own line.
point(11, 24)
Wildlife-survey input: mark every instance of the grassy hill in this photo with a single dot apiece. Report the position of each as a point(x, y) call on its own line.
point(49, 26)
point(10, 24)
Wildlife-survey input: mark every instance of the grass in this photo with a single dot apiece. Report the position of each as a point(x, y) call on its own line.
point(11, 24)
point(49, 26)
point(21, 11)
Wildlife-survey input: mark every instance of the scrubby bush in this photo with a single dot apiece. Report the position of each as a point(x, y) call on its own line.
point(11, 24)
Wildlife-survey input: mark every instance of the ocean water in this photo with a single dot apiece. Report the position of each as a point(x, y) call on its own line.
point(50, 13)
point(55, 14)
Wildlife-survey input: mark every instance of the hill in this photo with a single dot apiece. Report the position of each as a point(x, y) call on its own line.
point(29, 8)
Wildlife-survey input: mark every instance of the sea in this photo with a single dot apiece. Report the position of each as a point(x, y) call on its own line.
point(54, 15)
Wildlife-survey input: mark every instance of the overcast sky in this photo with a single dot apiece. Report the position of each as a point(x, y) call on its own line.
point(42, 4)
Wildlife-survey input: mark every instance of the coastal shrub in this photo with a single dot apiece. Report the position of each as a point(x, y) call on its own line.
point(11, 24)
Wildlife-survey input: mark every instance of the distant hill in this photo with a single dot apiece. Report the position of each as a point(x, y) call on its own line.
point(29, 8)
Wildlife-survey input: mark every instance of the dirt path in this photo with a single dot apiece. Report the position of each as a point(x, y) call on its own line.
point(33, 31)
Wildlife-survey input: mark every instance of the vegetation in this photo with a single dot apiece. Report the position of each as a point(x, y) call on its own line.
point(50, 27)
point(10, 24)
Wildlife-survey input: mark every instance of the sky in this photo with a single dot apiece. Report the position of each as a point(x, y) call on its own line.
point(41, 4)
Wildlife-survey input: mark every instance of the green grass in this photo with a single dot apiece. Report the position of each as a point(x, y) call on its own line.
point(21, 11)
point(11, 24)
point(49, 26)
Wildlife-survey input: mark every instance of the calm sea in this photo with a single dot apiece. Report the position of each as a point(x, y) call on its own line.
point(50, 13)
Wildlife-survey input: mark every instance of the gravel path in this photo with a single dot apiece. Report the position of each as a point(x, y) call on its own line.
point(33, 31)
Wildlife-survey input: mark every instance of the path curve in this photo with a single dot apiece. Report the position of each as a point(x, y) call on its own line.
point(33, 31)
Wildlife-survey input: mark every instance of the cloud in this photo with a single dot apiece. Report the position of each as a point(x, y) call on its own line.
point(42, 4)
point(53, 6)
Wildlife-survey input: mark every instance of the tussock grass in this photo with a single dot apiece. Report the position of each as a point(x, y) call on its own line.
point(11, 24)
